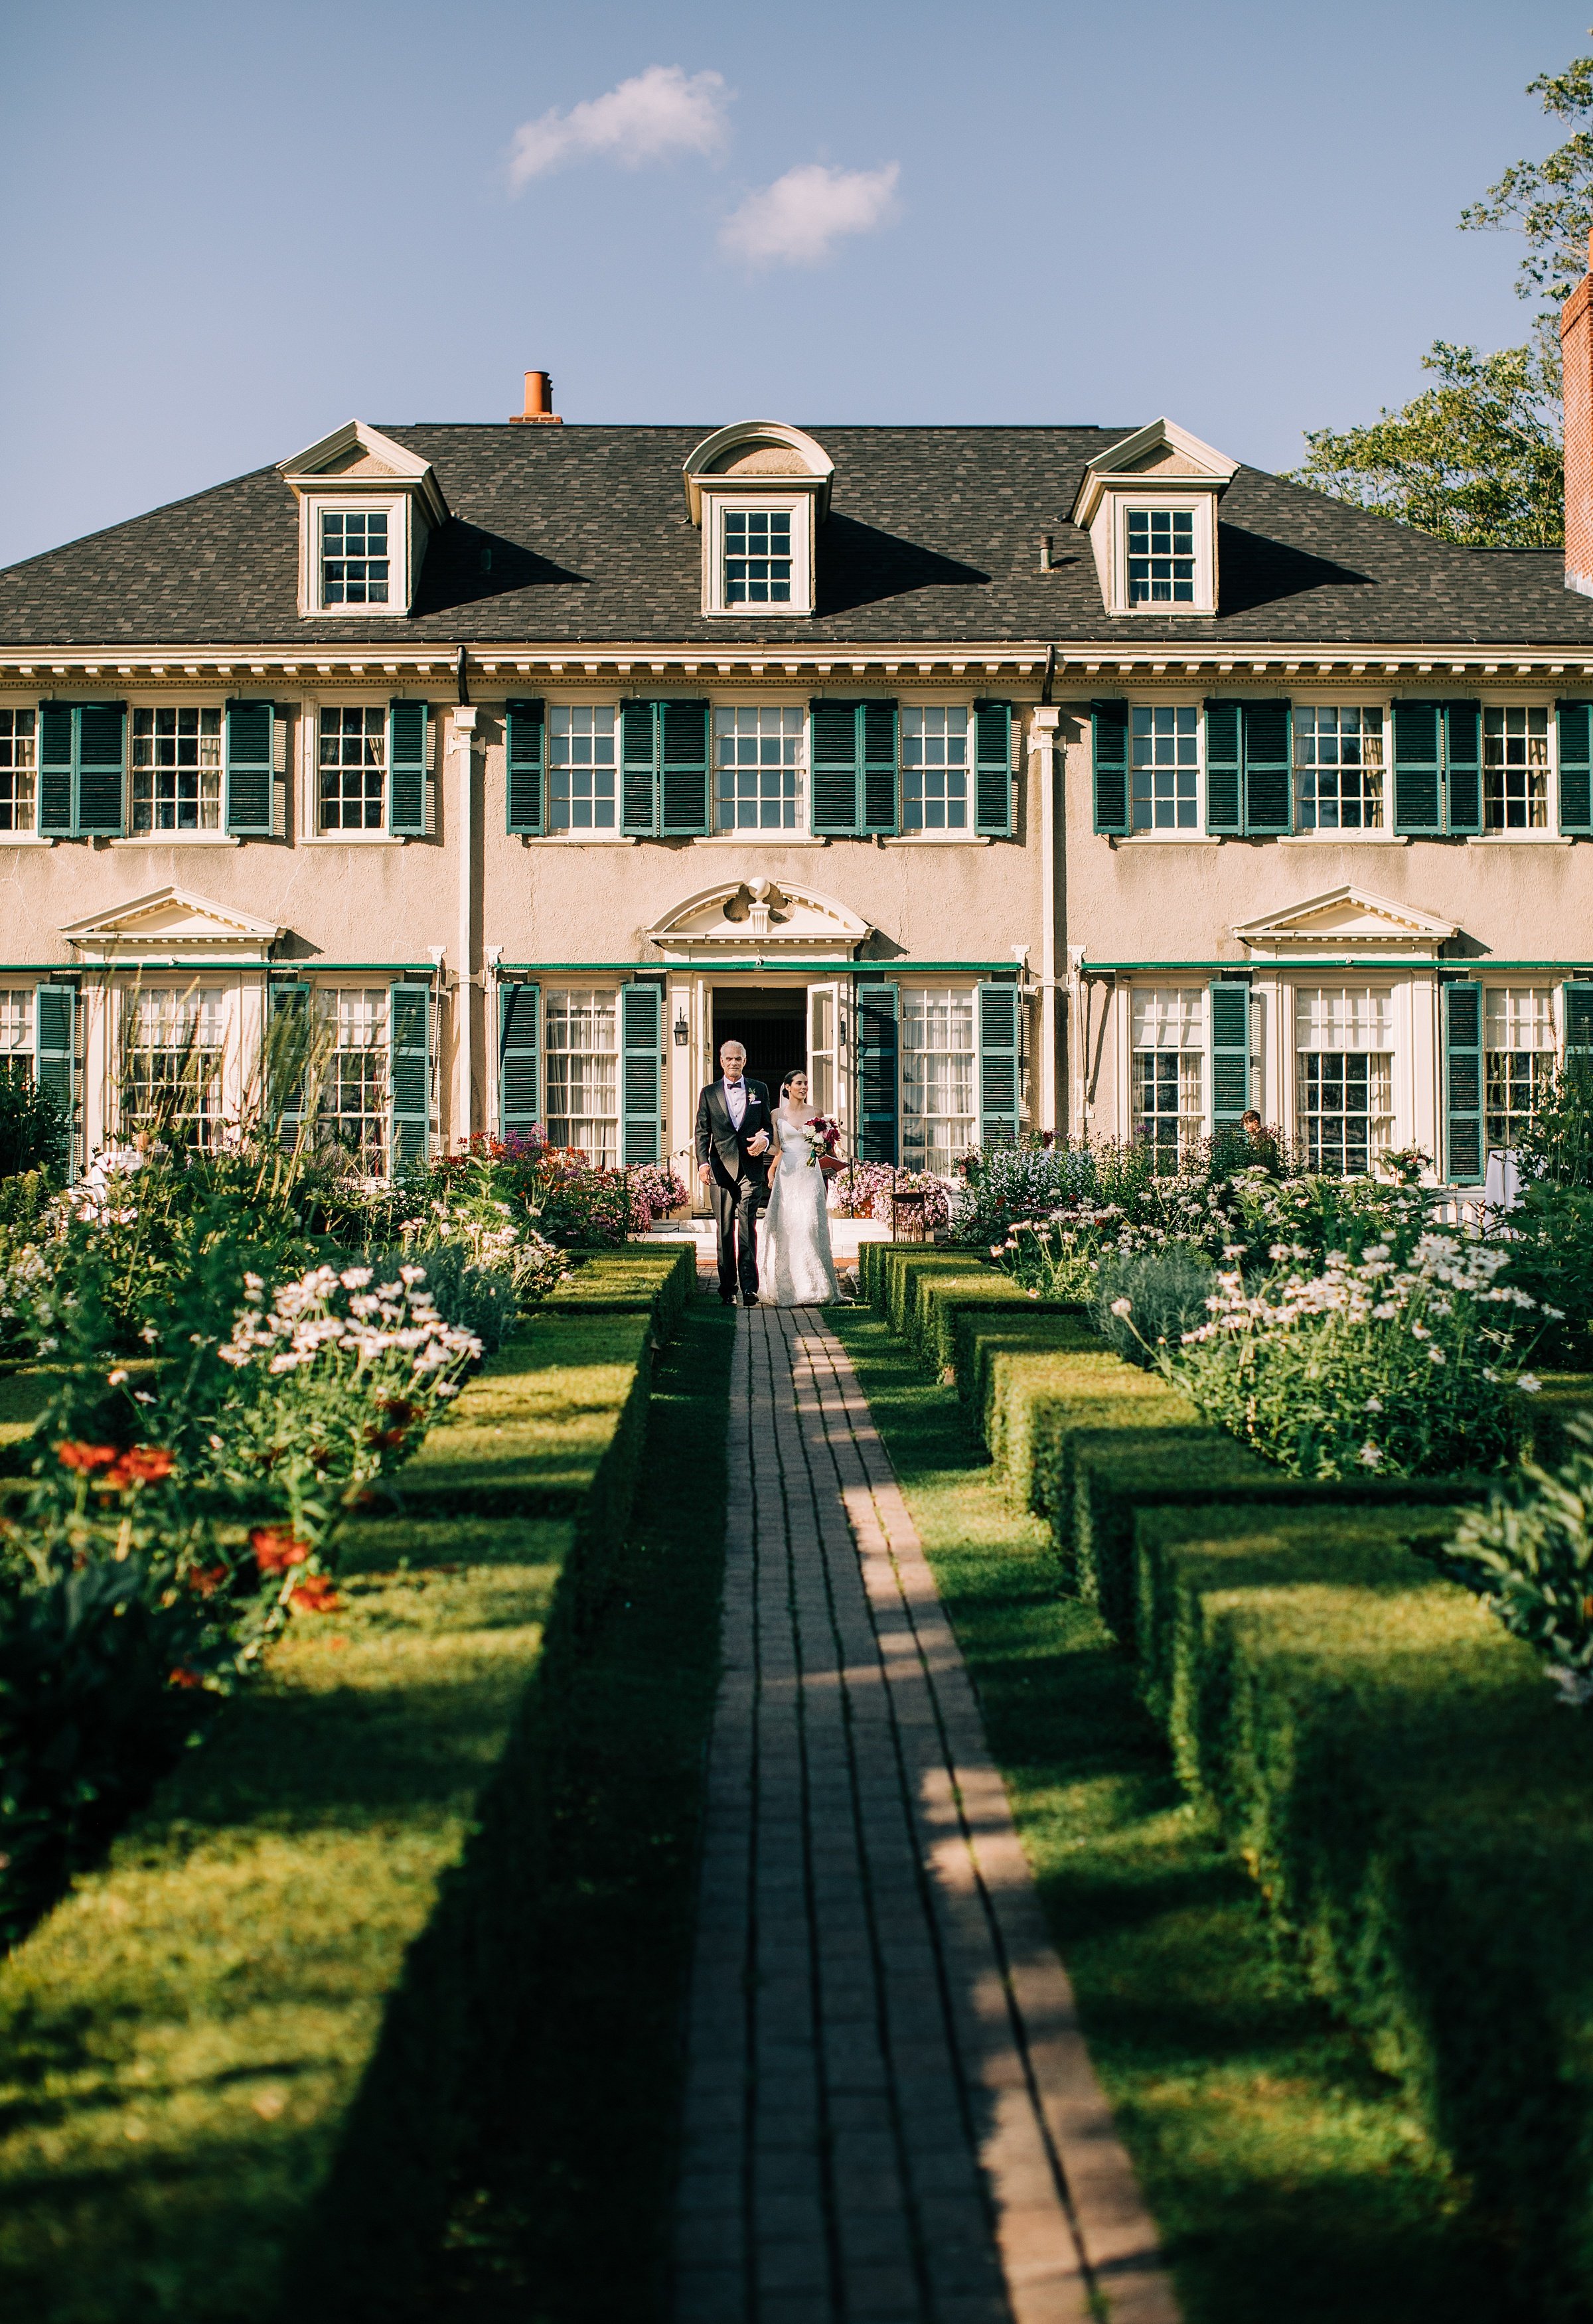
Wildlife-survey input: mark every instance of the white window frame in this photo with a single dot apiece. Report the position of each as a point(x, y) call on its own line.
point(1541, 834)
point(183, 995)
point(1365, 835)
point(1202, 507)
point(941, 992)
point(715, 507)
point(1172, 833)
point(396, 508)
point(786, 835)
point(31, 837)
point(608, 991)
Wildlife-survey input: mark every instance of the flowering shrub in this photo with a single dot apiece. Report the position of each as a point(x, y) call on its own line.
point(1371, 1367)
point(655, 1192)
point(581, 1203)
point(1147, 1302)
point(866, 1190)
point(1529, 1556)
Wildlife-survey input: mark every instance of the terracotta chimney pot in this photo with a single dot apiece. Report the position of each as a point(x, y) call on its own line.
point(539, 403)
point(1576, 347)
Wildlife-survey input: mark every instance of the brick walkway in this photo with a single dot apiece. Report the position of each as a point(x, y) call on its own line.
point(889, 2115)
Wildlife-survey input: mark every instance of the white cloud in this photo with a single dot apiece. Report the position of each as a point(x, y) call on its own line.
point(796, 220)
point(657, 112)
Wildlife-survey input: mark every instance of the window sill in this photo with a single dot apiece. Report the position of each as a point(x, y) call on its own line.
point(761, 838)
point(1519, 839)
point(1169, 839)
point(350, 839)
point(575, 839)
point(176, 839)
point(26, 839)
point(1342, 839)
point(938, 839)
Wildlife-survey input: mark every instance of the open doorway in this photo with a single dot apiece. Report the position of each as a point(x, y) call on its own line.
point(771, 1023)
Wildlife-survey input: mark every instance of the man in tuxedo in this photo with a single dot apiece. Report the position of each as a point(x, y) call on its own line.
point(734, 1130)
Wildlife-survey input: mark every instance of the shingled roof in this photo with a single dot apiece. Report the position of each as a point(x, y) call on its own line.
point(932, 539)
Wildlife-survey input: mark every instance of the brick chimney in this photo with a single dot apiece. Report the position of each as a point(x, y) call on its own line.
point(1575, 348)
point(539, 403)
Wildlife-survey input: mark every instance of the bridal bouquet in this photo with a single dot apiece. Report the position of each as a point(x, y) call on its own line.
point(824, 1138)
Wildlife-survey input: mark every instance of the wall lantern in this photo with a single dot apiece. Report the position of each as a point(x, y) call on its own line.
point(682, 1030)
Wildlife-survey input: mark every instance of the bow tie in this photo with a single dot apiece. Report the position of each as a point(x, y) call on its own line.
point(732, 1085)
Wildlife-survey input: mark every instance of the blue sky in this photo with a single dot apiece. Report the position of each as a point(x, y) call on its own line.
point(227, 228)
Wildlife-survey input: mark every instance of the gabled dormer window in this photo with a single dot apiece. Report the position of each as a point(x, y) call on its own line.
point(367, 507)
point(1149, 505)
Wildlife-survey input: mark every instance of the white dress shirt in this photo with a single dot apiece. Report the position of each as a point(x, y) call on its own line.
point(735, 1103)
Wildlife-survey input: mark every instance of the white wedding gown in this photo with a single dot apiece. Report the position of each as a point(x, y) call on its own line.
point(795, 1268)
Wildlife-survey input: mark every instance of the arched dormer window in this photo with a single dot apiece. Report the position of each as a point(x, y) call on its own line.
point(759, 492)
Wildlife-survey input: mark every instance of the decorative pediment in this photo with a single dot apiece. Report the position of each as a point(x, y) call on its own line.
point(750, 453)
point(356, 455)
point(1160, 453)
point(172, 923)
point(1348, 919)
point(774, 921)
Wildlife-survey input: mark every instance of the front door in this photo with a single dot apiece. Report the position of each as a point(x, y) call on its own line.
point(771, 1023)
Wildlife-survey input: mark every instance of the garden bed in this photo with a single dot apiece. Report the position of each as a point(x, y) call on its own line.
point(238, 2055)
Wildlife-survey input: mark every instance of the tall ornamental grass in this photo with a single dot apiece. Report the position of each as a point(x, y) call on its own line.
point(1374, 1366)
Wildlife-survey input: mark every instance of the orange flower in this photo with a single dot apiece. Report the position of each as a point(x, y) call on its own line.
point(275, 1549)
point(145, 1464)
point(316, 1594)
point(207, 1579)
point(86, 1457)
point(184, 1676)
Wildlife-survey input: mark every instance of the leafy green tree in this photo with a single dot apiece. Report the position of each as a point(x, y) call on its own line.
point(1550, 202)
point(1475, 459)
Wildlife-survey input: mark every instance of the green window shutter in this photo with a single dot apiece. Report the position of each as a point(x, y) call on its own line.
point(406, 770)
point(993, 768)
point(998, 1006)
point(1575, 720)
point(683, 760)
point(1224, 764)
point(524, 729)
point(408, 1071)
point(1268, 770)
point(878, 1103)
point(58, 734)
point(879, 766)
point(1230, 1054)
point(836, 777)
point(54, 1041)
point(102, 728)
point(1108, 725)
point(1577, 1002)
point(287, 1041)
point(641, 1129)
point(251, 768)
point(1417, 805)
point(638, 775)
point(1463, 1137)
point(519, 1058)
point(1463, 765)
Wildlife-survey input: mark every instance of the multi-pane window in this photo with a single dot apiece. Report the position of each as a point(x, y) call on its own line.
point(1344, 1043)
point(354, 1089)
point(581, 1047)
point(172, 1046)
point(934, 768)
point(1165, 769)
point(176, 771)
point(1161, 557)
point(938, 1117)
point(353, 769)
point(580, 767)
point(757, 769)
point(1514, 769)
point(758, 556)
point(1169, 1046)
point(16, 1031)
point(1518, 1055)
point(18, 769)
point(354, 557)
point(1339, 767)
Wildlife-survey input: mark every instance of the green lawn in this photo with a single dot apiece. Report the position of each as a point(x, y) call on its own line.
point(1286, 2176)
point(562, 2216)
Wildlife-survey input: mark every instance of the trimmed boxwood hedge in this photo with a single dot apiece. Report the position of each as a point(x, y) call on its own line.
point(655, 1278)
point(922, 1291)
point(1417, 1810)
point(236, 2059)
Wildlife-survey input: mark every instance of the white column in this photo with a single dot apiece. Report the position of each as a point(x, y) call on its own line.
point(1042, 744)
point(97, 1002)
point(466, 979)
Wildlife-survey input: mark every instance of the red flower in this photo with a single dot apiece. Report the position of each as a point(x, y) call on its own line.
point(145, 1464)
point(275, 1549)
point(86, 1457)
point(386, 1440)
point(316, 1594)
point(399, 1411)
point(207, 1579)
point(184, 1676)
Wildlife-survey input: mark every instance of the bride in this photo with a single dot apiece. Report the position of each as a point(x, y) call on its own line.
point(797, 1268)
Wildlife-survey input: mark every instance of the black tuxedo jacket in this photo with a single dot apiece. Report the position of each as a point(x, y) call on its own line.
point(717, 1138)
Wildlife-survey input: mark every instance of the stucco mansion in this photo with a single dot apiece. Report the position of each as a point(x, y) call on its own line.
point(1076, 778)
